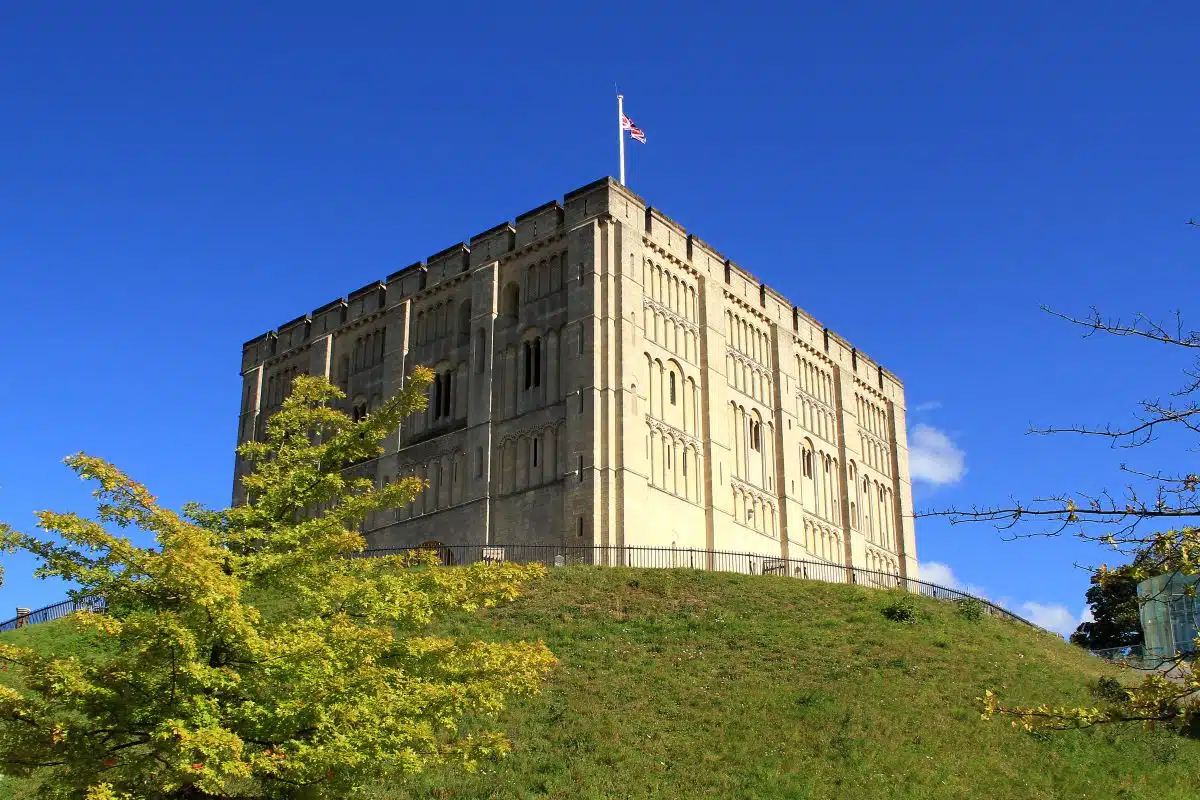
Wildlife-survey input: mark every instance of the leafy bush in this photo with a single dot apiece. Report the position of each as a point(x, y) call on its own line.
point(970, 609)
point(901, 609)
point(1110, 689)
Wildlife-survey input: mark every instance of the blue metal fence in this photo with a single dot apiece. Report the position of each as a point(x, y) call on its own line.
point(52, 612)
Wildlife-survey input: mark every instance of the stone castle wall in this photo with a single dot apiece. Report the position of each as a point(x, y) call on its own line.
point(606, 378)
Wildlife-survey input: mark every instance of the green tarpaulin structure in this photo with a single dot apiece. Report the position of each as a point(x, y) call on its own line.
point(1170, 612)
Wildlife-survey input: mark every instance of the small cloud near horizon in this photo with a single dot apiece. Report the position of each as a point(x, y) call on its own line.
point(1051, 616)
point(928, 405)
point(936, 572)
point(943, 575)
point(934, 458)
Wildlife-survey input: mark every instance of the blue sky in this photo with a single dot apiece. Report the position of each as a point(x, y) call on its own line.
point(175, 181)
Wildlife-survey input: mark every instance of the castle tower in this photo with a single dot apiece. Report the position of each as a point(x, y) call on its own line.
point(606, 378)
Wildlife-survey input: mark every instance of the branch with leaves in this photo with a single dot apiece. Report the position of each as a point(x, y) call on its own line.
point(1131, 522)
point(245, 655)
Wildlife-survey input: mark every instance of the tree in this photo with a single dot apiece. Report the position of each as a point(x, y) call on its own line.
point(249, 654)
point(1117, 521)
point(1114, 606)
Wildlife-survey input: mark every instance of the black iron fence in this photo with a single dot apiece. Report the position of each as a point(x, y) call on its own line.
point(712, 560)
point(51, 613)
point(646, 557)
point(1142, 657)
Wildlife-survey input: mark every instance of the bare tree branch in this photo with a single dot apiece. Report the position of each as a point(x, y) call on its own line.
point(1154, 495)
point(1141, 325)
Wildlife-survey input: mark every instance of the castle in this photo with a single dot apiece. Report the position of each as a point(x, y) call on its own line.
point(605, 378)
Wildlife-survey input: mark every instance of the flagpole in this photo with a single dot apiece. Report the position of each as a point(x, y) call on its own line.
point(621, 133)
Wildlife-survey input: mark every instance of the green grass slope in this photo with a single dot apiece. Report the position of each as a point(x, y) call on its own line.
point(680, 684)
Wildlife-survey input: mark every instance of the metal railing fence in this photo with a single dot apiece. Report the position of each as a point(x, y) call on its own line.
point(52, 612)
point(1142, 657)
point(708, 560)
point(643, 557)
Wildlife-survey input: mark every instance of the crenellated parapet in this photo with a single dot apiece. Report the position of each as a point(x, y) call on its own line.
point(742, 289)
point(504, 241)
point(604, 197)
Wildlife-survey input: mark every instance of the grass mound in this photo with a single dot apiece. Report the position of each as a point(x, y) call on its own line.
point(680, 684)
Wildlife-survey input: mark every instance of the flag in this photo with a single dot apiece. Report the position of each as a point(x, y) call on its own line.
point(634, 131)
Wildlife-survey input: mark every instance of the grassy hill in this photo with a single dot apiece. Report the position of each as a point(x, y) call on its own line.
point(679, 684)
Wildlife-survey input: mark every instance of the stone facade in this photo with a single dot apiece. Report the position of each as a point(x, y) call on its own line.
point(606, 378)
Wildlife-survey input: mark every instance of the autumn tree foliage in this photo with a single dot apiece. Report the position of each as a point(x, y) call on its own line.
point(1151, 522)
point(247, 653)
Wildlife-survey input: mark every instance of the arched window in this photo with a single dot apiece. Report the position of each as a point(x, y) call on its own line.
point(511, 305)
point(532, 350)
point(868, 521)
point(755, 435)
point(672, 387)
point(537, 362)
point(437, 396)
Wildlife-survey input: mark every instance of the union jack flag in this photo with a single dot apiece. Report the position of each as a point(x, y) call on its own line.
point(634, 131)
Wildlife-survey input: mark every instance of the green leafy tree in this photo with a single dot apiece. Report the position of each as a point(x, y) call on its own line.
point(1114, 605)
point(1118, 520)
point(248, 654)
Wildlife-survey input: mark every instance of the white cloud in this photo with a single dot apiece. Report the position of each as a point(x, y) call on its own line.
point(943, 575)
point(934, 458)
point(930, 405)
point(1051, 616)
point(937, 572)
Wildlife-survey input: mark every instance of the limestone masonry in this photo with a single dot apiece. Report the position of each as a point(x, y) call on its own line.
point(605, 378)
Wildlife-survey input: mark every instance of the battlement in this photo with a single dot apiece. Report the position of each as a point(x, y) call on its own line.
point(670, 237)
point(553, 218)
point(493, 244)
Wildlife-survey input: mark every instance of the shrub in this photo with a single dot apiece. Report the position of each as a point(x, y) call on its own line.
point(970, 609)
point(1109, 689)
point(901, 609)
